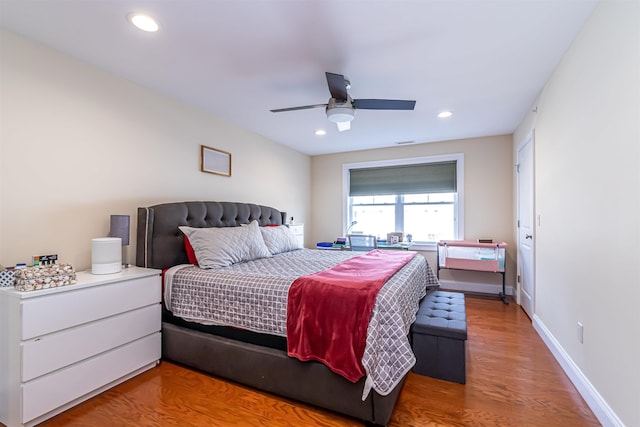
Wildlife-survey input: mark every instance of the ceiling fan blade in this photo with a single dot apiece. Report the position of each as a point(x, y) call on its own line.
point(383, 104)
point(303, 107)
point(337, 86)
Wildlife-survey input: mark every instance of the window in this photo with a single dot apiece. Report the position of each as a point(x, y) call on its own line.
point(420, 196)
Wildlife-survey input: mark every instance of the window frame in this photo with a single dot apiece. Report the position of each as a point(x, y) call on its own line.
point(458, 206)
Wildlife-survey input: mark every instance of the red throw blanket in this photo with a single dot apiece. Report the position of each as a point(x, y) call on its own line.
point(328, 312)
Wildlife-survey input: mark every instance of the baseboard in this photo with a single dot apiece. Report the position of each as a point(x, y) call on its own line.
point(600, 408)
point(482, 288)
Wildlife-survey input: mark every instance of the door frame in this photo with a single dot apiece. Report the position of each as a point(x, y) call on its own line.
point(529, 138)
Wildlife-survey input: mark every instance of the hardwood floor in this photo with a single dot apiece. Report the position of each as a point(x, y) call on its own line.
point(512, 380)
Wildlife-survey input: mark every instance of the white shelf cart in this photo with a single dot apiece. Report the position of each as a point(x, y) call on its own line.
point(473, 256)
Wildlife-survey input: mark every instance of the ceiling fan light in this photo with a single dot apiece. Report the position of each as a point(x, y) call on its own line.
point(340, 114)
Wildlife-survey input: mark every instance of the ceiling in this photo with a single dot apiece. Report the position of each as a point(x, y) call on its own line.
point(485, 60)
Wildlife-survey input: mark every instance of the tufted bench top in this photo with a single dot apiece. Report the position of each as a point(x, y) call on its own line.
point(442, 314)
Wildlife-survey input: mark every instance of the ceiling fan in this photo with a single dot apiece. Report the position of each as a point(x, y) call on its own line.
point(341, 107)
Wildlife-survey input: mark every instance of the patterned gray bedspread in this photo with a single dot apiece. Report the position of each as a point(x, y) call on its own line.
point(253, 296)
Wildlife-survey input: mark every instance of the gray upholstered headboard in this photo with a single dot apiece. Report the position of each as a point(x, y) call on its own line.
point(160, 242)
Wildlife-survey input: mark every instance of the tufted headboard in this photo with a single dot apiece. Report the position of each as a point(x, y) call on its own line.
point(160, 244)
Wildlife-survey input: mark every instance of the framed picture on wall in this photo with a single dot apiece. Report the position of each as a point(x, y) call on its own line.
point(215, 161)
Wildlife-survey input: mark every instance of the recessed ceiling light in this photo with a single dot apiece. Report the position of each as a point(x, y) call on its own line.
point(144, 22)
point(445, 114)
point(321, 132)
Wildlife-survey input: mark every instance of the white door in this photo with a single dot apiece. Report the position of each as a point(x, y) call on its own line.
point(526, 225)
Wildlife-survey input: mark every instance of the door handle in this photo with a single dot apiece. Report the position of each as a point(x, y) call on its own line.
point(528, 236)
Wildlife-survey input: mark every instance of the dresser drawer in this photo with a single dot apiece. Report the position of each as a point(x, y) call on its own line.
point(55, 312)
point(297, 228)
point(50, 352)
point(51, 391)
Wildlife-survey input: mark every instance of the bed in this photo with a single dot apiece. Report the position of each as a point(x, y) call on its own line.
point(255, 354)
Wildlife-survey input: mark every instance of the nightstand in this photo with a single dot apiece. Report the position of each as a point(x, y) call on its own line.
point(298, 231)
point(64, 345)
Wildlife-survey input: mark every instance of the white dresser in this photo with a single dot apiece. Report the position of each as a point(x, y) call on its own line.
point(298, 231)
point(61, 346)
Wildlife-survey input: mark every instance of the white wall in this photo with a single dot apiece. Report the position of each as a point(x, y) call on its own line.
point(588, 196)
point(78, 144)
point(488, 190)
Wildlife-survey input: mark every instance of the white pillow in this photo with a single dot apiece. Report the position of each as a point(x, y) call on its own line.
point(221, 247)
point(279, 239)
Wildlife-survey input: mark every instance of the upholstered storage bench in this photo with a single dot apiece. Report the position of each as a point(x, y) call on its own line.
point(438, 336)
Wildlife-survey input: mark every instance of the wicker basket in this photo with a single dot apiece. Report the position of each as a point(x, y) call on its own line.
point(44, 277)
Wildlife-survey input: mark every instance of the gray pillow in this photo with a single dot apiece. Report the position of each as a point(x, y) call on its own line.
point(279, 239)
point(221, 247)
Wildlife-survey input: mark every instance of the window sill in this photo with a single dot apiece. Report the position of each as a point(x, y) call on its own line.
point(425, 247)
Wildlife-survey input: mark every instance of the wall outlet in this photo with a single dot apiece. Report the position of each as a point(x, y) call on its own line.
point(580, 332)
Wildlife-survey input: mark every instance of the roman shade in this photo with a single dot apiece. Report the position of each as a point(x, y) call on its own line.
point(404, 179)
